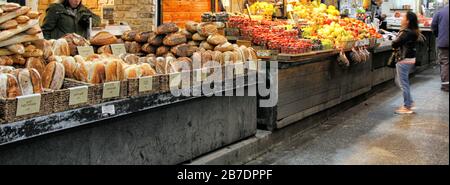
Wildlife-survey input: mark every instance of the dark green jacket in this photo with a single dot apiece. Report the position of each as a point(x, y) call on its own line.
point(59, 21)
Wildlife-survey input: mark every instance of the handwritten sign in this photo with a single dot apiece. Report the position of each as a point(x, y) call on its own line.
point(263, 53)
point(28, 104)
point(85, 51)
point(145, 84)
point(111, 90)
point(78, 95)
point(118, 49)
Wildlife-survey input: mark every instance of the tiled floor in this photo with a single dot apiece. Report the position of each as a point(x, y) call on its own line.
point(371, 133)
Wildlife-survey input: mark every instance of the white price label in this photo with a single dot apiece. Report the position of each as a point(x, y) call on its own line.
point(109, 109)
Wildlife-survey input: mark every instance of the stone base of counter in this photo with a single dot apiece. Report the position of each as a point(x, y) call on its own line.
point(167, 135)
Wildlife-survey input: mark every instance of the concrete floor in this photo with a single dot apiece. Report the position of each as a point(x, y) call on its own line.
point(370, 133)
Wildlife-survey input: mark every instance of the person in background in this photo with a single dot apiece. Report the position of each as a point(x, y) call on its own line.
point(440, 29)
point(68, 16)
point(406, 42)
point(376, 9)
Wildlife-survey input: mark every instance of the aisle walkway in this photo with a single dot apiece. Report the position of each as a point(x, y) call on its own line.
point(371, 133)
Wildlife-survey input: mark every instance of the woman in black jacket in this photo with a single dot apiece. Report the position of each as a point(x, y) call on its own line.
point(406, 43)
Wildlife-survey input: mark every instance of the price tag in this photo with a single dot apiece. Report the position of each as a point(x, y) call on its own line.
point(244, 43)
point(78, 95)
point(145, 84)
point(28, 104)
point(263, 53)
point(253, 65)
point(109, 109)
point(239, 69)
point(118, 49)
point(175, 80)
point(85, 51)
point(111, 90)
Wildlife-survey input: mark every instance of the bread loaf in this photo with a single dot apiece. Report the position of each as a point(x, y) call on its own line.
point(132, 72)
point(81, 71)
point(103, 38)
point(174, 39)
point(33, 53)
point(17, 48)
point(33, 14)
point(206, 29)
point(162, 51)
point(114, 71)
point(217, 39)
point(9, 7)
point(9, 86)
point(183, 50)
point(187, 34)
point(147, 70)
point(156, 40)
point(46, 46)
point(142, 37)
point(74, 40)
point(6, 61)
point(106, 49)
point(18, 59)
point(70, 66)
point(22, 19)
point(129, 35)
point(11, 24)
point(79, 59)
point(167, 28)
point(130, 58)
point(36, 63)
point(53, 77)
point(224, 47)
point(206, 46)
point(160, 65)
point(147, 48)
point(197, 59)
point(132, 47)
point(191, 26)
point(207, 57)
point(194, 43)
point(96, 73)
point(61, 47)
point(198, 37)
point(34, 30)
point(29, 81)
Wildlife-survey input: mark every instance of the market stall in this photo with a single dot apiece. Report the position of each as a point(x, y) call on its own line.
point(144, 97)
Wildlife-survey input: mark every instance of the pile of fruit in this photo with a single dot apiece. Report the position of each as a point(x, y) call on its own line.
point(315, 12)
point(262, 8)
point(359, 29)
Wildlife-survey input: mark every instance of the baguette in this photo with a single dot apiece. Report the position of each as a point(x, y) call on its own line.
point(17, 48)
point(11, 15)
point(34, 30)
point(11, 24)
point(33, 14)
point(9, 7)
point(18, 39)
point(5, 35)
point(22, 19)
point(5, 52)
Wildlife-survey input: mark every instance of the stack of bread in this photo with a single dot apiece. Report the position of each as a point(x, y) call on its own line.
point(97, 69)
point(19, 32)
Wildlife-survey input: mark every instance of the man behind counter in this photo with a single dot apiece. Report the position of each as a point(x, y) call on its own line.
point(68, 16)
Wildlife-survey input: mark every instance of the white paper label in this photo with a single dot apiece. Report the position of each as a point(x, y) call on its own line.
point(78, 95)
point(85, 51)
point(118, 49)
point(109, 109)
point(28, 104)
point(145, 84)
point(111, 90)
